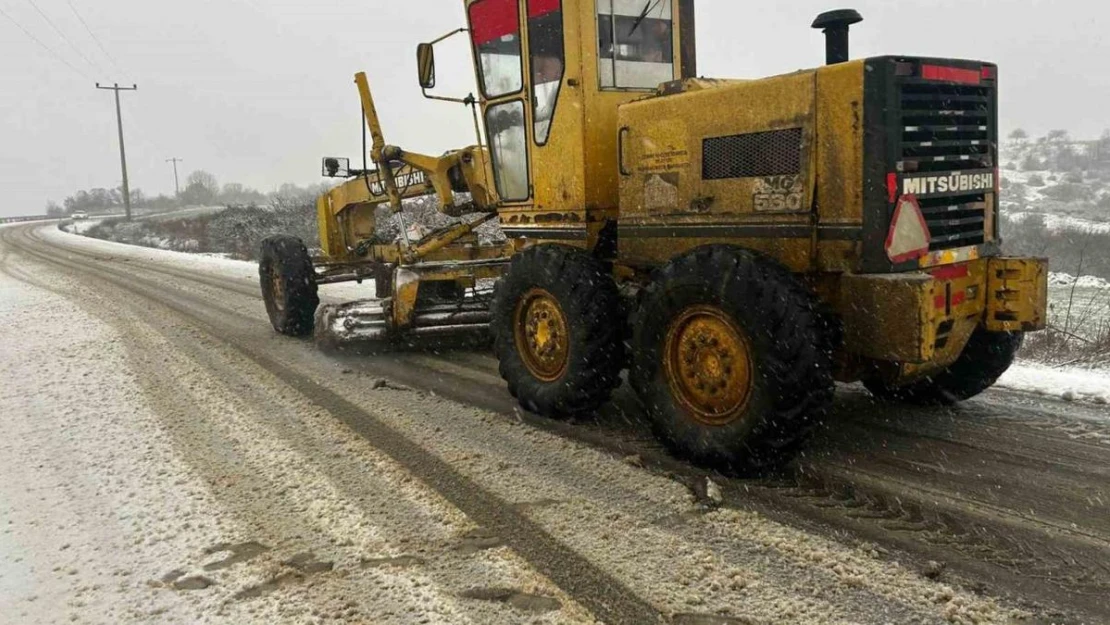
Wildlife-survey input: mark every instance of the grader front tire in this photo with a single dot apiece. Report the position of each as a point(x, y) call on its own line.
point(288, 285)
point(557, 331)
point(730, 359)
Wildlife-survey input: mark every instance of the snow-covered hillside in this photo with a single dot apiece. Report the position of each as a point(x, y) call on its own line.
point(1067, 181)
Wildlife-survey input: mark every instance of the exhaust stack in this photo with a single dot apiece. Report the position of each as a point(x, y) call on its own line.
point(835, 25)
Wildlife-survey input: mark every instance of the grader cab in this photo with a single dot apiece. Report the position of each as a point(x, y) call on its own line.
point(737, 245)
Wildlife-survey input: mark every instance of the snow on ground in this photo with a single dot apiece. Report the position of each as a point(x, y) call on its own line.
point(140, 487)
point(204, 263)
point(65, 555)
point(141, 458)
point(181, 213)
point(1084, 282)
point(1082, 305)
point(1063, 222)
point(1067, 383)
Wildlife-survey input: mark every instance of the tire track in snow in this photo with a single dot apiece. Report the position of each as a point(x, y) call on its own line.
point(607, 598)
point(782, 586)
point(837, 494)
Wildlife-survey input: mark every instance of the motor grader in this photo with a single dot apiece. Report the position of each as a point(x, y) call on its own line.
point(737, 245)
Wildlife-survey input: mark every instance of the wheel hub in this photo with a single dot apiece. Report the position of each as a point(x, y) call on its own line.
point(542, 335)
point(708, 363)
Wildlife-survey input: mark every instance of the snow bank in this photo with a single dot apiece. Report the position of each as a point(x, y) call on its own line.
point(1067, 383)
point(1084, 282)
point(211, 264)
point(206, 264)
point(1063, 222)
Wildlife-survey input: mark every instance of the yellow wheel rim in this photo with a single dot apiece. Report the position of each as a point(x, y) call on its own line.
point(708, 363)
point(277, 288)
point(542, 335)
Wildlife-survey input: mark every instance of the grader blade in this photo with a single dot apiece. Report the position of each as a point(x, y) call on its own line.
point(351, 322)
point(369, 322)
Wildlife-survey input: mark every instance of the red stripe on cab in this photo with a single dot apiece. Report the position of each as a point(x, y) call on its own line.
point(493, 19)
point(540, 8)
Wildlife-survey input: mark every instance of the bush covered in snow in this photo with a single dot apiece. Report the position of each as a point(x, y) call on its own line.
point(235, 231)
point(238, 231)
point(1069, 192)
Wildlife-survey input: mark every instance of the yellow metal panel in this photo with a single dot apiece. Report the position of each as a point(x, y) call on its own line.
point(840, 143)
point(327, 227)
point(838, 256)
point(888, 317)
point(406, 284)
point(1017, 294)
point(663, 149)
point(558, 167)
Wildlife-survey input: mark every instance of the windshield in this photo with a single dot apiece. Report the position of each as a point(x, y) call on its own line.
point(635, 43)
point(495, 31)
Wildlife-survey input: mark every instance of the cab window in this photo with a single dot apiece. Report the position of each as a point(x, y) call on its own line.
point(545, 43)
point(495, 33)
point(508, 146)
point(635, 43)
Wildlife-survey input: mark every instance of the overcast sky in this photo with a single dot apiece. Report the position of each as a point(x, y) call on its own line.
point(256, 91)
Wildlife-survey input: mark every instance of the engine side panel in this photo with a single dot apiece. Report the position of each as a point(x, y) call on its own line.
point(720, 161)
point(774, 165)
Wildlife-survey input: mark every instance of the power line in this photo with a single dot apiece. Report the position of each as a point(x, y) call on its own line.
point(95, 38)
point(49, 50)
point(62, 35)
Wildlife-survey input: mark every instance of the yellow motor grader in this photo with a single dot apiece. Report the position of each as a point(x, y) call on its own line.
point(737, 245)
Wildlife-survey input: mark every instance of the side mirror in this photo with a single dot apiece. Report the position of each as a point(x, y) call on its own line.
point(426, 65)
point(336, 167)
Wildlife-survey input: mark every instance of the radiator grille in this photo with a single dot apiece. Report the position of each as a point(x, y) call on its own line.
point(955, 221)
point(773, 153)
point(948, 128)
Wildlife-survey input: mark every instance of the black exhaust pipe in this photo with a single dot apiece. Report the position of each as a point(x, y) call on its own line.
point(835, 26)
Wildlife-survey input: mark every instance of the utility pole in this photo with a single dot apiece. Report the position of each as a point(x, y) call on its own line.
point(122, 154)
point(175, 161)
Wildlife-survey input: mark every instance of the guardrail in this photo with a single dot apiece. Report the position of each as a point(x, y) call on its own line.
point(12, 220)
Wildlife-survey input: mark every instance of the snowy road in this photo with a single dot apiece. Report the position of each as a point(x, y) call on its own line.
point(166, 458)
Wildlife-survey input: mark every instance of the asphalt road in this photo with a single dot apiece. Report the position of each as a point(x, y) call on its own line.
point(1005, 499)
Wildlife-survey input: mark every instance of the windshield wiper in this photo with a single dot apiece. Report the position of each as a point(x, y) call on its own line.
point(643, 14)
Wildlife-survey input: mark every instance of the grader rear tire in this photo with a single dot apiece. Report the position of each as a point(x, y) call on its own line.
point(557, 331)
point(288, 285)
point(985, 358)
point(730, 359)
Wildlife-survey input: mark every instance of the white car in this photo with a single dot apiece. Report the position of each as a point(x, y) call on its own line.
point(80, 215)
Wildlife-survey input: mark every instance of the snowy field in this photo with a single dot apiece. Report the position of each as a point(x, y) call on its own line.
point(1083, 305)
point(1063, 222)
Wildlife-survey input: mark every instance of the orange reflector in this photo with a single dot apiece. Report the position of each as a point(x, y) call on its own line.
point(908, 237)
